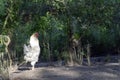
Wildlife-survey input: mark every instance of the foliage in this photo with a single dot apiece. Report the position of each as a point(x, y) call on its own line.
point(59, 23)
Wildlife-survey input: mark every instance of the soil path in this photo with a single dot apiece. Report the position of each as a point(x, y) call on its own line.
point(109, 71)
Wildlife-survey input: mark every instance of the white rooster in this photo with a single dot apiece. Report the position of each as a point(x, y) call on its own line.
point(32, 51)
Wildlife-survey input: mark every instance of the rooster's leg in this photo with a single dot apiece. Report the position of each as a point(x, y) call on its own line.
point(33, 65)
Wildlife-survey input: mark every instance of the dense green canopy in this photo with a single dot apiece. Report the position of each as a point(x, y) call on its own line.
point(65, 26)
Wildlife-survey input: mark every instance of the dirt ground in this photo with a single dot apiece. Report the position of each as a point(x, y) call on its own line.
point(100, 71)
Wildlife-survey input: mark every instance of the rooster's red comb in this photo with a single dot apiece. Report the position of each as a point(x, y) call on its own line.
point(36, 34)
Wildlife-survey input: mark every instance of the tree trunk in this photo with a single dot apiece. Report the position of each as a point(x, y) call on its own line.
point(70, 45)
point(88, 54)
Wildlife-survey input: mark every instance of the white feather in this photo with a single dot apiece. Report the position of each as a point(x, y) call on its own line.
point(32, 51)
